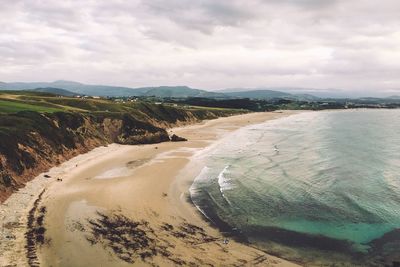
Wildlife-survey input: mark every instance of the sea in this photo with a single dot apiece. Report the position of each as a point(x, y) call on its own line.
point(318, 188)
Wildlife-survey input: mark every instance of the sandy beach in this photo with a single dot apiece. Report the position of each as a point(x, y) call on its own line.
point(140, 188)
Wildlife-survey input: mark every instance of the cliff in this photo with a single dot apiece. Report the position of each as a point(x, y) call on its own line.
point(33, 142)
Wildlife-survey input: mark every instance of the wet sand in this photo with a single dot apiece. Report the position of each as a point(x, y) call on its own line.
point(143, 189)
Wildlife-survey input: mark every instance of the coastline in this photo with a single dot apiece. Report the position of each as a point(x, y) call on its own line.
point(126, 179)
point(14, 211)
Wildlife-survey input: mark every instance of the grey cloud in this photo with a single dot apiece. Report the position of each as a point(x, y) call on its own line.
point(201, 15)
point(205, 43)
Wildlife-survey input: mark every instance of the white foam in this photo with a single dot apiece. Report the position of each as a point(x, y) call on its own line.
point(225, 183)
point(192, 190)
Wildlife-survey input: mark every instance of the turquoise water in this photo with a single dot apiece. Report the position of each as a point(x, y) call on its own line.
point(329, 180)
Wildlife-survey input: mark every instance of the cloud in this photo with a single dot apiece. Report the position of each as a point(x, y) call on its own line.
point(206, 43)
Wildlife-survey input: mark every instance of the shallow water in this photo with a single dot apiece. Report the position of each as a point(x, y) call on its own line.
point(314, 182)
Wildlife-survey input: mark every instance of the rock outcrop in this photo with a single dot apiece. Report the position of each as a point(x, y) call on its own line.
point(175, 138)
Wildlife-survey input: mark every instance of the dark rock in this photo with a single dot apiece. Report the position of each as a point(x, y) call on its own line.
point(6, 179)
point(175, 138)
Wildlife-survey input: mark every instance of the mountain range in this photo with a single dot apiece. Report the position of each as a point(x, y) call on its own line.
point(56, 91)
point(71, 88)
point(113, 91)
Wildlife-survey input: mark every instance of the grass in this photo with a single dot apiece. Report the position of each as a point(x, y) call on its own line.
point(14, 102)
point(79, 104)
point(10, 106)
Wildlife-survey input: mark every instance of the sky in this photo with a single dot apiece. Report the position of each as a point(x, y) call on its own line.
point(210, 44)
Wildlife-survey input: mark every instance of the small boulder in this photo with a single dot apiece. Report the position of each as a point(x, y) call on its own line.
point(175, 138)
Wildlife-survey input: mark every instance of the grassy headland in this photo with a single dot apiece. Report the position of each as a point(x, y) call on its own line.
point(40, 130)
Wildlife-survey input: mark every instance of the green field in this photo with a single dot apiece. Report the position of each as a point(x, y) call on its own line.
point(13, 102)
point(8, 106)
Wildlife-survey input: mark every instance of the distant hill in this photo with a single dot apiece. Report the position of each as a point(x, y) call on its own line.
point(75, 87)
point(265, 93)
point(259, 94)
point(56, 91)
point(270, 94)
point(179, 91)
point(292, 93)
point(306, 97)
point(299, 93)
point(95, 90)
point(115, 91)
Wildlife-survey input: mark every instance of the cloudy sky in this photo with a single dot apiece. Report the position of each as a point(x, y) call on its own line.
point(208, 44)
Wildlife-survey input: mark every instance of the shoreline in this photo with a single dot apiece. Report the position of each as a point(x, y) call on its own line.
point(60, 197)
point(14, 211)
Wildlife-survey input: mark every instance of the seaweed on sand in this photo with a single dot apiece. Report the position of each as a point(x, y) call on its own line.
point(192, 234)
point(132, 240)
point(35, 231)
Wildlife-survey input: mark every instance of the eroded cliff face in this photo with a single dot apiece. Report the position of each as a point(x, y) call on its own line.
point(32, 143)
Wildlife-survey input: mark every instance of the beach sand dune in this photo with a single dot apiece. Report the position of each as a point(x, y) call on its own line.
point(124, 205)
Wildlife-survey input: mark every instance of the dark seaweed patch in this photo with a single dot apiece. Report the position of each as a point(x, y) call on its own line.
point(35, 231)
point(133, 241)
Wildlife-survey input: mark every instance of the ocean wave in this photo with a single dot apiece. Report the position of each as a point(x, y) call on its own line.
point(225, 183)
point(195, 190)
point(332, 179)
